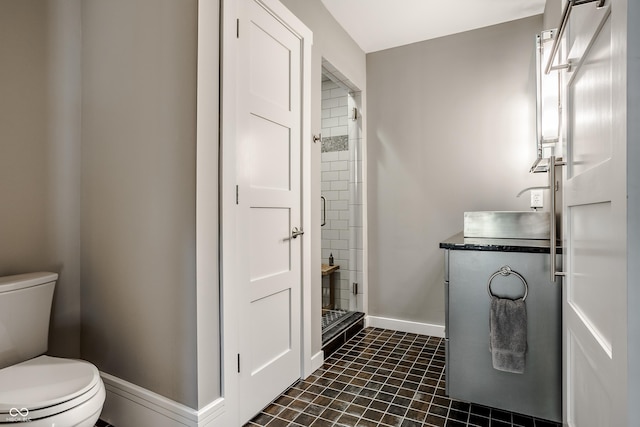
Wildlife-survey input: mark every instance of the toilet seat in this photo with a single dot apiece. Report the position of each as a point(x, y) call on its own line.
point(46, 386)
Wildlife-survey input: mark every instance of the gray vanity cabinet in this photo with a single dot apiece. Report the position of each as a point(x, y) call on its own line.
point(470, 375)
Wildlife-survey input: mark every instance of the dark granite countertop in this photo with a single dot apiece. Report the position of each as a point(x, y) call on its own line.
point(459, 242)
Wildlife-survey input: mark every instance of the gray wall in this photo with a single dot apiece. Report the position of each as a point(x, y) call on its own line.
point(138, 193)
point(40, 153)
point(552, 14)
point(451, 128)
point(332, 42)
point(98, 103)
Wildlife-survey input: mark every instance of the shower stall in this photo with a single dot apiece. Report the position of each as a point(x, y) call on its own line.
point(342, 208)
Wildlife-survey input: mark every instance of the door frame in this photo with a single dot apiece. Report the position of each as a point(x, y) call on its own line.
point(229, 296)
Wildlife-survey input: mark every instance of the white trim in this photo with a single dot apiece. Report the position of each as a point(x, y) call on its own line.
point(405, 326)
point(128, 404)
point(316, 361)
point(365, 201)
point(305, 172)
point(207, 221)
point(230, 317)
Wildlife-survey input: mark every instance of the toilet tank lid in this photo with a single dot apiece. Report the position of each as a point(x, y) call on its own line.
point(21, 281)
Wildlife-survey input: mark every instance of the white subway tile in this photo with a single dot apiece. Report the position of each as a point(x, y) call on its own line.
point(339, 130)
point(330, 234)
point(340, 165)
point(332, 123)
point(331, 103)
point(339, 112)
point(344, 268)
point(330, 156)
point(330, 176)
point(339, 185)
point(340, 224)
point(332, 214)
point(331, 196)
point(340, 205)
point(338, 92)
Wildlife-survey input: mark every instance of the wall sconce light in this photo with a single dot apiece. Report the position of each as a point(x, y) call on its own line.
point(548, 109)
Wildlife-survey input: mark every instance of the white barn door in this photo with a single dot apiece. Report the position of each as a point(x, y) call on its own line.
point(594, 211)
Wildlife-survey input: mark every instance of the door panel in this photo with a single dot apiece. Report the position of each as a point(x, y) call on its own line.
point(589, 387)
point(270, 252)
point(269, 206)
point(587, 91)
point(271, 332)
point(269, 163)
point(594, 306)
point(589, 293)
point(270, 50)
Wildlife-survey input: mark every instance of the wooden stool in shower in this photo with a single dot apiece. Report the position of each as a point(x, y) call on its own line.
point(328, 270)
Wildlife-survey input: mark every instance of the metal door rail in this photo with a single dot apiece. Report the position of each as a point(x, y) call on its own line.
point(563, 26)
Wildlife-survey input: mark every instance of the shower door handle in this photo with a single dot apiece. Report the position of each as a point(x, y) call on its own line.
point(324, 211)
point(295, 232)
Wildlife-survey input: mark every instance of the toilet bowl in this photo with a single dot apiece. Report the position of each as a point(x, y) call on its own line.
point(42, 390)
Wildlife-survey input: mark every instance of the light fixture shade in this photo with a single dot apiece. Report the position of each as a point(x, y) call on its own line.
point(548, 104)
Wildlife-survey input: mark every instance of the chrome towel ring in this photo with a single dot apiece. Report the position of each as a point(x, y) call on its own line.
point(506, 271)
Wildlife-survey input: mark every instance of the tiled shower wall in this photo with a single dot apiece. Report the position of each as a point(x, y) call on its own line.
point(340, 187)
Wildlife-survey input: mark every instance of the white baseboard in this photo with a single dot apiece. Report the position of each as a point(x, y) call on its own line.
point(129, 405)
point(317, 360)
point(405, 326)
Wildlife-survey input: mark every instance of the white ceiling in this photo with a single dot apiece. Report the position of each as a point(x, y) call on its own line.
point(383, 24)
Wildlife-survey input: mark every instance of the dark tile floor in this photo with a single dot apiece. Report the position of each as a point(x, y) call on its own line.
point(382, 378)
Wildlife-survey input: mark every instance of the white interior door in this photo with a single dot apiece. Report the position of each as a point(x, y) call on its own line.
point(269, 207)
point(594, 211)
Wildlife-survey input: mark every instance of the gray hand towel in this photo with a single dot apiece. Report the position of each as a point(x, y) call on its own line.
point(508, 334)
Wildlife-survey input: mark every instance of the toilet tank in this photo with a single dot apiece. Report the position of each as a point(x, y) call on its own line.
point(25, 309)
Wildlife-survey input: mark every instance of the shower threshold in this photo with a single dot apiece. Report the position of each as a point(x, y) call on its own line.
point(338, 326)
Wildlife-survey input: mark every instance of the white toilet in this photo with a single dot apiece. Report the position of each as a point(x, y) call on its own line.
point(42, 390)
